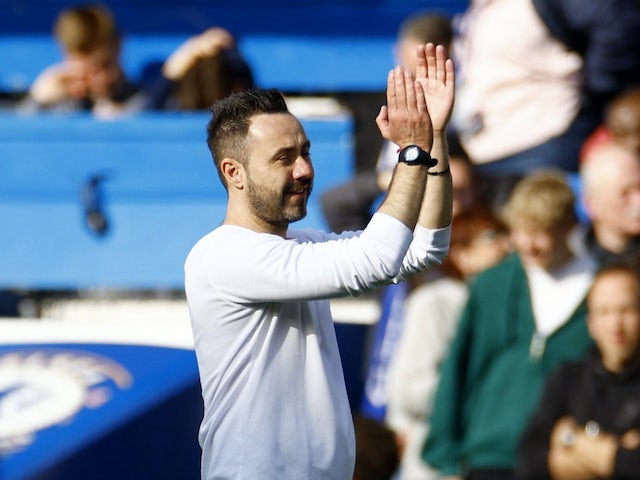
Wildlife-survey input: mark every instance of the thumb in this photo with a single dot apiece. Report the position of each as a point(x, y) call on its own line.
point(382, 120)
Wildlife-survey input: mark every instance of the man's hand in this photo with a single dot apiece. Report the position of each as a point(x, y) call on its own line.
point(405, 119)
point(436, 74)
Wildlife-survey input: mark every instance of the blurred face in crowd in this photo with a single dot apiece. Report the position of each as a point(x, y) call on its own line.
point(464, 190)
point(623, 120)
point(614, 317)
point(612, 195)
point(99, 69)
point(481, 252)
point(546, 248)
point(279, 173)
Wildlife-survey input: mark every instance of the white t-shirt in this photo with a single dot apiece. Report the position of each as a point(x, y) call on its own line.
point(556, 295)
point(275, 401)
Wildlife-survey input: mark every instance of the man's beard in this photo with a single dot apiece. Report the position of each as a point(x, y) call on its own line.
point(269, 205)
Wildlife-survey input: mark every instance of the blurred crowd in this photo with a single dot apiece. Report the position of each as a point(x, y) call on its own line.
point(519, 357)
point(90, 77)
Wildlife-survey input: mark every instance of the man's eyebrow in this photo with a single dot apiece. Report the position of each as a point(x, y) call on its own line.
point(292, 148)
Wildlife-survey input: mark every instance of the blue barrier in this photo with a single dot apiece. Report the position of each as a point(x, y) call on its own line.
point(150, 177)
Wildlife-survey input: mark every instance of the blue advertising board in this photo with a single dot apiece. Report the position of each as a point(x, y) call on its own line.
point(93, 410)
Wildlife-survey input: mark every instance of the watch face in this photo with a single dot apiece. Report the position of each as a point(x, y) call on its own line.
point(411, 154)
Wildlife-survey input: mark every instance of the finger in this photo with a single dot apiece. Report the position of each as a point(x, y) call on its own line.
point(430, 54)
point(383, 115)
point(410, 90)
point(421, 65)
point(382, 121)
point(440, 60)
point(391, 90)
point(421, 99)
point(400, 89)
point(451, 73)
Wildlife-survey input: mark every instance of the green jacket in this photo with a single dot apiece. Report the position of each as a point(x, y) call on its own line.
point(492, 377)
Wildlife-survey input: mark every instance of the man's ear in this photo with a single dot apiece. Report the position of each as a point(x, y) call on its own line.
point(233, 172)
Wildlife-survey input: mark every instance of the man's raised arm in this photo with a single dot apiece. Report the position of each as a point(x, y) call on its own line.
point(435, 73)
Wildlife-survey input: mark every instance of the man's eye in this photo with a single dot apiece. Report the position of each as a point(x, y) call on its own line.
point(283, 159)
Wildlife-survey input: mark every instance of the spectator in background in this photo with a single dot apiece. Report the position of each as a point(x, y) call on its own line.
point(210, 79)
point(523, 318)
point(534, 79)
point(204, 69)
point(349, 206)
point(610, 177)
point(479, 240)
point(587, 423)
point(91, 76)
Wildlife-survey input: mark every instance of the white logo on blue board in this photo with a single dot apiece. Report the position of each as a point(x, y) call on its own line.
point(40, 388)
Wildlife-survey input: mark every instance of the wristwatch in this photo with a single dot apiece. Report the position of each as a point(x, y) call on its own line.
point(414, 155)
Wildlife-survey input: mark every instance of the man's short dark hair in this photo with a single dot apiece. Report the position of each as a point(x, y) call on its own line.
point(227, 130)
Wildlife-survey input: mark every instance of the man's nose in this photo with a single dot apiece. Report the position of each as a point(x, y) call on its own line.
point(303, 168)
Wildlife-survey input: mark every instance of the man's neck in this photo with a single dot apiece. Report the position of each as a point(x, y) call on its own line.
point(251, 222)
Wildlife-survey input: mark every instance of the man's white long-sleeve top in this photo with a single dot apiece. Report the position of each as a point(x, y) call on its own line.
point(274, 396)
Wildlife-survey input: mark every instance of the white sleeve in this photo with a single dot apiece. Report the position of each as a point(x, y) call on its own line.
point(251, 267)
point(429, 246)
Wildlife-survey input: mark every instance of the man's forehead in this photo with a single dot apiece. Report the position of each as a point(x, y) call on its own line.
point(613, 281)
point(265, 127)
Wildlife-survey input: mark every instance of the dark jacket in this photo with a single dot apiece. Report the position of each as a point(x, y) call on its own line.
point(606, 34)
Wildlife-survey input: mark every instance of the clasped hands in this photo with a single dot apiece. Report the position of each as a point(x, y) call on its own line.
point(419, 107)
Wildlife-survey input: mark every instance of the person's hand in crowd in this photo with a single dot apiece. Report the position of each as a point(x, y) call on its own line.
point(205, 45)
point(58, 83)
